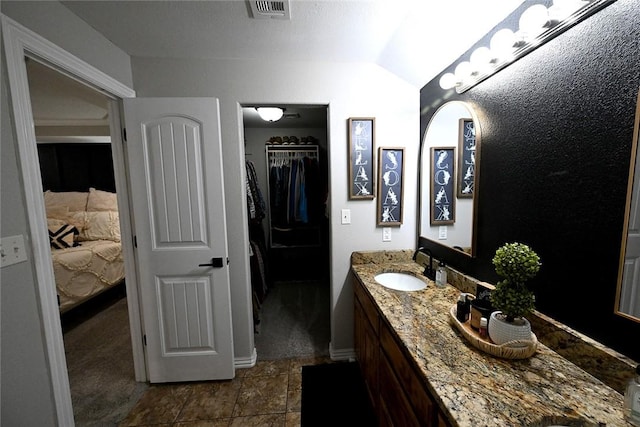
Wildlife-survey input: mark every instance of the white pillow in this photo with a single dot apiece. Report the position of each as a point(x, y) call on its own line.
point(99, 200)
point(103, 225)
point(79, 220)
point(57, 212)
point(72, 200)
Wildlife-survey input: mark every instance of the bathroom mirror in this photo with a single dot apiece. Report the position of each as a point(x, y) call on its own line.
point(628, 290)
point(449, 170)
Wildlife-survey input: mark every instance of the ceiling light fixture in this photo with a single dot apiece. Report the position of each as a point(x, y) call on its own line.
point(537, 25)
point(270, 114)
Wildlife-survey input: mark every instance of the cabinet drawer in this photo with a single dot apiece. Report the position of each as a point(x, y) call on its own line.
point(370, 310)
point(415, 390)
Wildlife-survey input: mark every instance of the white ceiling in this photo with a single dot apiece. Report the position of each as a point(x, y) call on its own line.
point(414, 39)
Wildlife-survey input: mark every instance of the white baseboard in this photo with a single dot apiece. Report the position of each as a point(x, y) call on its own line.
point(246, 362)
point(342, 354)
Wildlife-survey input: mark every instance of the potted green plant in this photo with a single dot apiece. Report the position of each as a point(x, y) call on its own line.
point(516, 263)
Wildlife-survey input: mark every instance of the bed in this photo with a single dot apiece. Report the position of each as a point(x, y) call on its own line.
point(84, 233)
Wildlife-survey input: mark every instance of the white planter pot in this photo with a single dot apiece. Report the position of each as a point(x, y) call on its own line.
point(501, 331)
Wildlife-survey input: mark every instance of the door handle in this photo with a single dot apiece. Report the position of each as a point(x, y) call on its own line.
point(215, 262)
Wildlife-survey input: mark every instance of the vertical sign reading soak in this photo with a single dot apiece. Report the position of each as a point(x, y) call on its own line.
point(361, 145)
point(443, 198)
point(467, 158)
point(390, 180)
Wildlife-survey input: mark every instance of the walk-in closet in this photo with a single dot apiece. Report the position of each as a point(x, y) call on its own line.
point(287, 196)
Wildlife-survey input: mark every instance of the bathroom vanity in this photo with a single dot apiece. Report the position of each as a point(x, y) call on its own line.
point(420, 371)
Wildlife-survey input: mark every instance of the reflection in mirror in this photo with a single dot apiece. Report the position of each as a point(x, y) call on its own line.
point(628, 292)
point(452, 125)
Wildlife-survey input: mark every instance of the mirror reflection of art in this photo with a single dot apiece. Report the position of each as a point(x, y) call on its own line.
point(390, 181)
point(361, 146)
point(443, 130)
point(443, 199)
point(467, 158)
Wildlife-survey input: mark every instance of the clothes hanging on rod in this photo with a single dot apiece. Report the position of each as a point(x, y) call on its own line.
point(256, 207)
point(255, 202)
point(293, 186)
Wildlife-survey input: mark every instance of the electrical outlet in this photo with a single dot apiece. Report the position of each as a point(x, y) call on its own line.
point(346, 216)
point(442, 232)
point(386, 234)
point(12, 250)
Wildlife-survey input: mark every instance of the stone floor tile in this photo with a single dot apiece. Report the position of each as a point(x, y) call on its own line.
point(268, 420)
point(160, 404)
point(268, 367)
point(262, 395)
point(211, 400)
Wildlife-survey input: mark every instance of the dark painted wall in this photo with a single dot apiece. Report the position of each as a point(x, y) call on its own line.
point(557, 130)
point(76, 166)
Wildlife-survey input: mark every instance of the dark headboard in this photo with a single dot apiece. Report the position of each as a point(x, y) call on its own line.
point(76, 166)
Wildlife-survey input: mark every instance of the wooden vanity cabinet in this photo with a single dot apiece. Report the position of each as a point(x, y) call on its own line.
point(367, 323)
point(397, 392)
point(410, 385)
point(396, 408)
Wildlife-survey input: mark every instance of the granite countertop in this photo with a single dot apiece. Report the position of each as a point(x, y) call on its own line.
point(473, 388)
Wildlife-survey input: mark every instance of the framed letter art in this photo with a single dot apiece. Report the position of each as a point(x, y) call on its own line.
point(390, 180)
point(467, 158)
point(442, 196)
point(361, 160)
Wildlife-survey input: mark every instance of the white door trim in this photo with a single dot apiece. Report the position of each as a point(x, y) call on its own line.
point(128, 250)
point(18, 42)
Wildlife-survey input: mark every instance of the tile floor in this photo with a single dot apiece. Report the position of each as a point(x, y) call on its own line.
point(268, 394)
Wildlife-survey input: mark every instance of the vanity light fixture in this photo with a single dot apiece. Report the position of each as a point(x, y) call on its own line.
point(270, 114)
point(537, 25)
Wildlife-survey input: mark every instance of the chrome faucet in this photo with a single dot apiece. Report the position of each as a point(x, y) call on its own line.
point(429, 272)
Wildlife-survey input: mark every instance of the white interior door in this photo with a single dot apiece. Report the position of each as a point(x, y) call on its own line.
point(175, 164)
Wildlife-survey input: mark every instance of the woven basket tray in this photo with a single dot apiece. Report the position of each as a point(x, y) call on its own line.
point(511, 350)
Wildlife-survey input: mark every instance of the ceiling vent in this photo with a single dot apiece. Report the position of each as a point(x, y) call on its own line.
point(270, 9)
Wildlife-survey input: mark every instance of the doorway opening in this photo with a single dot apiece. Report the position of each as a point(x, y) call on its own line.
point(290, 258)
point(19, 44)
point(72, 128)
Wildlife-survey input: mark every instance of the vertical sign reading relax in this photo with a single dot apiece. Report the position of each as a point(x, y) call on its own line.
point(390, 174)
point(467, 158)
point(443, 198)
point(361, 146)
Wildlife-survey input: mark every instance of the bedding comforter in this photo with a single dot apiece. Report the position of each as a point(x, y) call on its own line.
point(84, 271)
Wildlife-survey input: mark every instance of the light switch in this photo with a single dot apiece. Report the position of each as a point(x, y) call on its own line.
point(386, 234)
point(12, 250)
point(346, 216)
point(442, 232)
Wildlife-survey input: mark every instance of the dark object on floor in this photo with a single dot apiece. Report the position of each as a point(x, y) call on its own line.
point(334, 394)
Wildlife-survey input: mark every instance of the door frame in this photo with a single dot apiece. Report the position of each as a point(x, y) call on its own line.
point(20, 42)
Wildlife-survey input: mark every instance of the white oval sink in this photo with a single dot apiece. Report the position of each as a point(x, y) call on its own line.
point(400, 281)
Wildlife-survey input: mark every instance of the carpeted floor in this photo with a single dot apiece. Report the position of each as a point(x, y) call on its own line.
point(294, 321)
point(100, 363)
point(334, 394)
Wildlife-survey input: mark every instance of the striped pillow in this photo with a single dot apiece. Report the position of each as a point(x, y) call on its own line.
point(63, 236)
